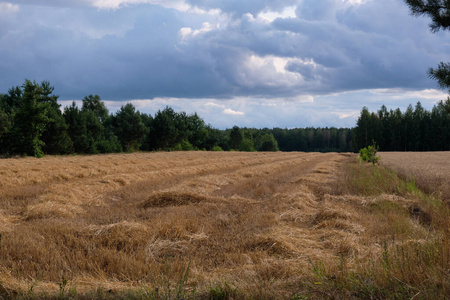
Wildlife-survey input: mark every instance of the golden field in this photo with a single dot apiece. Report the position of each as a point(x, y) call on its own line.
point(429, 170)
point(217, 225)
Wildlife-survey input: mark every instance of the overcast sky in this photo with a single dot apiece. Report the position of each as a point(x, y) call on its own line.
point(254, 63)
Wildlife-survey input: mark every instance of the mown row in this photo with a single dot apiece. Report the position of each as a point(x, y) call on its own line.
point(218, 225)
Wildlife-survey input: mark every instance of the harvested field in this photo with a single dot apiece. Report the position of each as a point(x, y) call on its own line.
point(204, 225)
point(429, 170)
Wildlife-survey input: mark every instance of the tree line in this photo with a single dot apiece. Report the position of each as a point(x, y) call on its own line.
point(415, 129)
point(33, 123)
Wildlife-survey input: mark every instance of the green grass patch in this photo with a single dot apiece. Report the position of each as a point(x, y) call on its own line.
point(370, 180)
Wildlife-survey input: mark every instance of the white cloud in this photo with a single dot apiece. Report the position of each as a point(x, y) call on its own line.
point(229, 111)
point(268, 71)
point(270, 16)
point(354, 2)
point(116, 4)
point(8, 8)
point(399, 93)
point(187, 32)
point(212, 104)
point(354, 114)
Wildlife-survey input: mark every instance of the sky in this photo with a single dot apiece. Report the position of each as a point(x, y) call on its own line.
point(250, 63)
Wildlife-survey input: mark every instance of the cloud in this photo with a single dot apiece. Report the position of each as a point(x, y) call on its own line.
point(266, 71)
point(332, 56)
point(187, 32)
point(8, 8)
point(269, 15)
point(239, 7)
point(229, 111)
point(429, 94)
point(116, 4)
point(8, 13)
point(54, 3)
point(317, 10)
point(144, 50)
point(106, 4)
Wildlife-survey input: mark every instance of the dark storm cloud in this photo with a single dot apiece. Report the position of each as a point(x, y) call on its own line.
point(147, 50)
point(134, 56)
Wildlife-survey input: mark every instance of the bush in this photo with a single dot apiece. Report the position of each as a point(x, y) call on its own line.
point(217, 148)
point(268, 143)
point(184, 145)
point(369, 154)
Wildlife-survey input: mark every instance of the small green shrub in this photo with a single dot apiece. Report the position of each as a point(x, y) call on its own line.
point(369, 154)
point(184, 145)
point(217, 148)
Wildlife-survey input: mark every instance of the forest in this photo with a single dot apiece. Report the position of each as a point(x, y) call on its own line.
point(33, 123)
point(416, 129)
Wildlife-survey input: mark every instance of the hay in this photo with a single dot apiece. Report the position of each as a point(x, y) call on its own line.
point(251, 218)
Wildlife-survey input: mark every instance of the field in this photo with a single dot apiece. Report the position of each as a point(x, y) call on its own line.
point(218, 225)
point(429, 170)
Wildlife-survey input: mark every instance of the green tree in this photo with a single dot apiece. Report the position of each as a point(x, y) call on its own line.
point(147, 120)
point(363, 132)
point(31, 119)
point(268, 143)
point(215, 137)
point(108, 141)
point(439, 12)
point(418, 129)
point(77, 130)
point(444, 108)
point(236, 138)
point(342, 141)
point(129, 128)
point(196, 129)
point(99, 127)
point(445, 105)
point(408, 134)
point(93, 103)
point(4, 123)
point(11, 101)
point(247, 145)
point(55, 136)
point(164, 132)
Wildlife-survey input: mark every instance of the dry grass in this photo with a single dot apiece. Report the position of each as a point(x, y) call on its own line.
point(212, 225)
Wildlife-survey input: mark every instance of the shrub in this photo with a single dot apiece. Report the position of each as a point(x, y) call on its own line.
point(184, 145)
point(369, 154)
